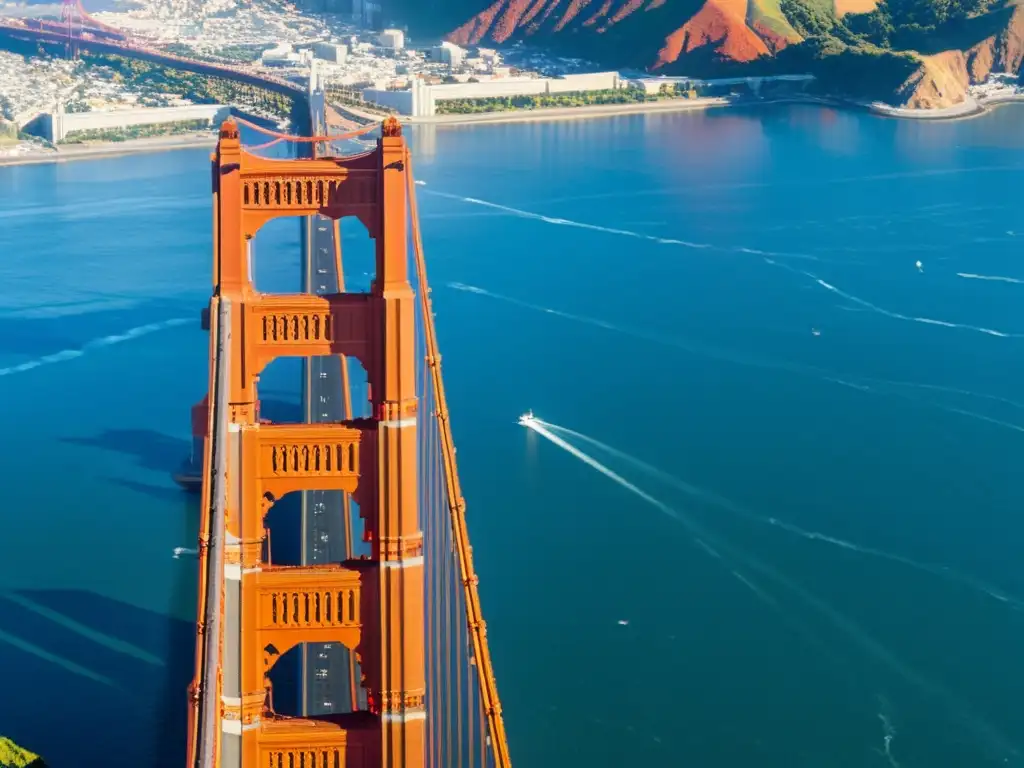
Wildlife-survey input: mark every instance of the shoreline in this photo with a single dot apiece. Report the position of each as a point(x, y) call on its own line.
point(73, 152)
point(968, 109)
point(971, 107)
point(569, 113)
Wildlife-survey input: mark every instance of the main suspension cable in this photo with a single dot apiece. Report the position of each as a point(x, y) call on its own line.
point(305, 139)
point(457, 505)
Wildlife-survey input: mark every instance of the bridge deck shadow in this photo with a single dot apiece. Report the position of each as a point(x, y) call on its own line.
point(280, 411)
point(170, 493)
point(77, 701)
point(152, 450)
point(60, 328)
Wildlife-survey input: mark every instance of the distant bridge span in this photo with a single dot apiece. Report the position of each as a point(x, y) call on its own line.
point(16, 30)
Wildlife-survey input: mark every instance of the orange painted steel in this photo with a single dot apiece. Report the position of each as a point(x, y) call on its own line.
point(301, 326)
point(374, 606)
point(301, 604)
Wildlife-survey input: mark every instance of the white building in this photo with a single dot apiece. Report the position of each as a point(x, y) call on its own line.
point(448, 53)
point(280, 56)
point(392, 38)
point(490, 56)
point(420, 99)
point(60, 123)
point(653, 85)
point(336, 53)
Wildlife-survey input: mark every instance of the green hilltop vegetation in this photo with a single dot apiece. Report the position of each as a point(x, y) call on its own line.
point(861, 49)
point(843, 60)
point(769, 14)
point(13, 756)
point(870, 55)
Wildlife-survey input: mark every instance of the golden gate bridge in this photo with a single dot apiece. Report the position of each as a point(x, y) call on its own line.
point(408, 613)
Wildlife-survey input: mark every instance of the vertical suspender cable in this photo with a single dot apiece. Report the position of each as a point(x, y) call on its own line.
point(447, 579)
point(471, 715)
point(474, 616)
point(460, 653)
point(439, 536)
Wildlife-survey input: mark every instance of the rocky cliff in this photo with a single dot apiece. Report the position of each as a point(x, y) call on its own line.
point(918, 53)
point(660, 31)
point(943, 77)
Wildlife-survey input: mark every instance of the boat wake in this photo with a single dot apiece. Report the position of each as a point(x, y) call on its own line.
point(867, 305)
point(557, 221)
point(854, 381)
point(105, 341)
point(994, 278)
point(995, 744)
point(710, 497)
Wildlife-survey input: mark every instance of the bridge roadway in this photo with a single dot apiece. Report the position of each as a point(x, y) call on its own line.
point(324, 668)
point(324, 676)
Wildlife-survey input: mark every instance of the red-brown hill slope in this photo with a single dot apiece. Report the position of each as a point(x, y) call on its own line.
point(657, 32)
point(915, 52)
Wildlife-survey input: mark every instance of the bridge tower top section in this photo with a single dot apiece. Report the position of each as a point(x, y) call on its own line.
point(248, 192)
point(373, 606)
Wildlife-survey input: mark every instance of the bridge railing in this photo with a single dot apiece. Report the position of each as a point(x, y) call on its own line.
point(205, 713)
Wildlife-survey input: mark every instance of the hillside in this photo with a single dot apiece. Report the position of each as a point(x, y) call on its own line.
point(13, 756)
point(918, 53)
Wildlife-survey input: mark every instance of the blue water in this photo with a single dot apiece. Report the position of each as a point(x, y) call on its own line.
point(732, 297)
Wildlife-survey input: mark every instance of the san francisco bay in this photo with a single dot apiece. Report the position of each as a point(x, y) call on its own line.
point(791, 332)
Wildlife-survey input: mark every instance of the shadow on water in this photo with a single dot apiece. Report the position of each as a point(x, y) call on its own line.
point(21, 336)
point(58, 327)
point(153, 450)
point(82, 671)
point(93, 681)
point(164, 493)
point(172, 718)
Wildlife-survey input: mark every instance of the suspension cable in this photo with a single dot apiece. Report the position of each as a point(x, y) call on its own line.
point(307, 139)
point(265, 145)
point(457, 505)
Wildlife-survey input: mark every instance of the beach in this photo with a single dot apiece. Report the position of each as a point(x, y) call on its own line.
point(970, 107)
point(113, 149)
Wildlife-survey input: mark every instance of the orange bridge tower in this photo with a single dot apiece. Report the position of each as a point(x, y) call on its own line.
point(421, 675)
